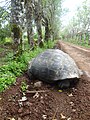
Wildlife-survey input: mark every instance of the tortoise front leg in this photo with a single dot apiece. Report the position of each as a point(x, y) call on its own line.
point(64, 84)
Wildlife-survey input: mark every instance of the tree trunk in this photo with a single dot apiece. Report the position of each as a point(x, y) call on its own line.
point(16, 31)
point(38, 21)
point(29, 19)
point(84, 38)
point(89, 39)
point(39, 31)
point(47, 32)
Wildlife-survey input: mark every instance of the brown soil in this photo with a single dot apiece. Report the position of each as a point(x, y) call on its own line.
point(52, 104)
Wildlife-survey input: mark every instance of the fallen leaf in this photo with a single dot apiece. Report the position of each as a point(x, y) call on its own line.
point(20, 103)
point(41, 97)
point(11, 119)
point(62, 116)
point(44, 117)
point(74, 89)
point(59, 90)
point(69, 118)
point(36, 95)
point(71, 103)
point(73, 110)
point(38, 84)
point(70, 95)
point(24, 98)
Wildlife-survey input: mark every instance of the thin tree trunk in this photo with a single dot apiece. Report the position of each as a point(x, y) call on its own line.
point(29, 19)
point(16, 31)
point(89, 39)
point(47, 32)
point(39, 31)
point(84, 38)
point(38, 21)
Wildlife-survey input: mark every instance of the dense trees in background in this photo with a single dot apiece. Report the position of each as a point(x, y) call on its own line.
point(79, 26)
point(45, 15)
point(4, 28)
point(51, 18)
point(36, 17)
point(40, 19)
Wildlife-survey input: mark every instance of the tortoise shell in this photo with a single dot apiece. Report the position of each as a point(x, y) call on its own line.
point(53, 65)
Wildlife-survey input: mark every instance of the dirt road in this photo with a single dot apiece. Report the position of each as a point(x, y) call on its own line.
point(79, 54)
point(54, 104)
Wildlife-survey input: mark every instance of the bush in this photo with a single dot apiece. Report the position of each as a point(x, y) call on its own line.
point(6, 78)
point(8, 73)
point(49, 44)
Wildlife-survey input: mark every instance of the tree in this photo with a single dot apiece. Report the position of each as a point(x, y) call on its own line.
point(79, 25)
point(29, 21)
point(51, 17)
point(15, 26)
point(83, 16)
point(38, 20)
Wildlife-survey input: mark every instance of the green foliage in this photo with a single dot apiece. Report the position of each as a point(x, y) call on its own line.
point(28, 55)
point(49, 44)
point(6, 78)
point(24, 86)
point(35, 36)
point(8, 40)
point(9, 72)
point(5, 32)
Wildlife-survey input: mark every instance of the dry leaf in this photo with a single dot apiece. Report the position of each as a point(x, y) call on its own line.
point(36, 95)
point(73, 110)
point(24, 98)
point(69, 118)
point(11, 119)
point(71, 103)
point(59, 90)
point(44, 117)
point(70, 95)
point(62, 116)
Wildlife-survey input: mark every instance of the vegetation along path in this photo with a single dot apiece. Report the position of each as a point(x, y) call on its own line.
point(49, 103)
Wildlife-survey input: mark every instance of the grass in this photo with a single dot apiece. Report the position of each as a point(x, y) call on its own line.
point(14, 68)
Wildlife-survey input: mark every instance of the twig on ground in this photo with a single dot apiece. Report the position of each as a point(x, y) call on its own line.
point(55, 114)
point(37, 91)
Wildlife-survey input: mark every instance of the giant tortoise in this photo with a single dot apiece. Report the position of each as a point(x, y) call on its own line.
point(53, 65)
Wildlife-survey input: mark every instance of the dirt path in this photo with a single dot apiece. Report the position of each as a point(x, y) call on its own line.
point(79, 54)
point(54, 104)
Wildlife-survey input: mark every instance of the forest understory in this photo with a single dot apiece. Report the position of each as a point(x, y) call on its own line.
point(50, 103)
